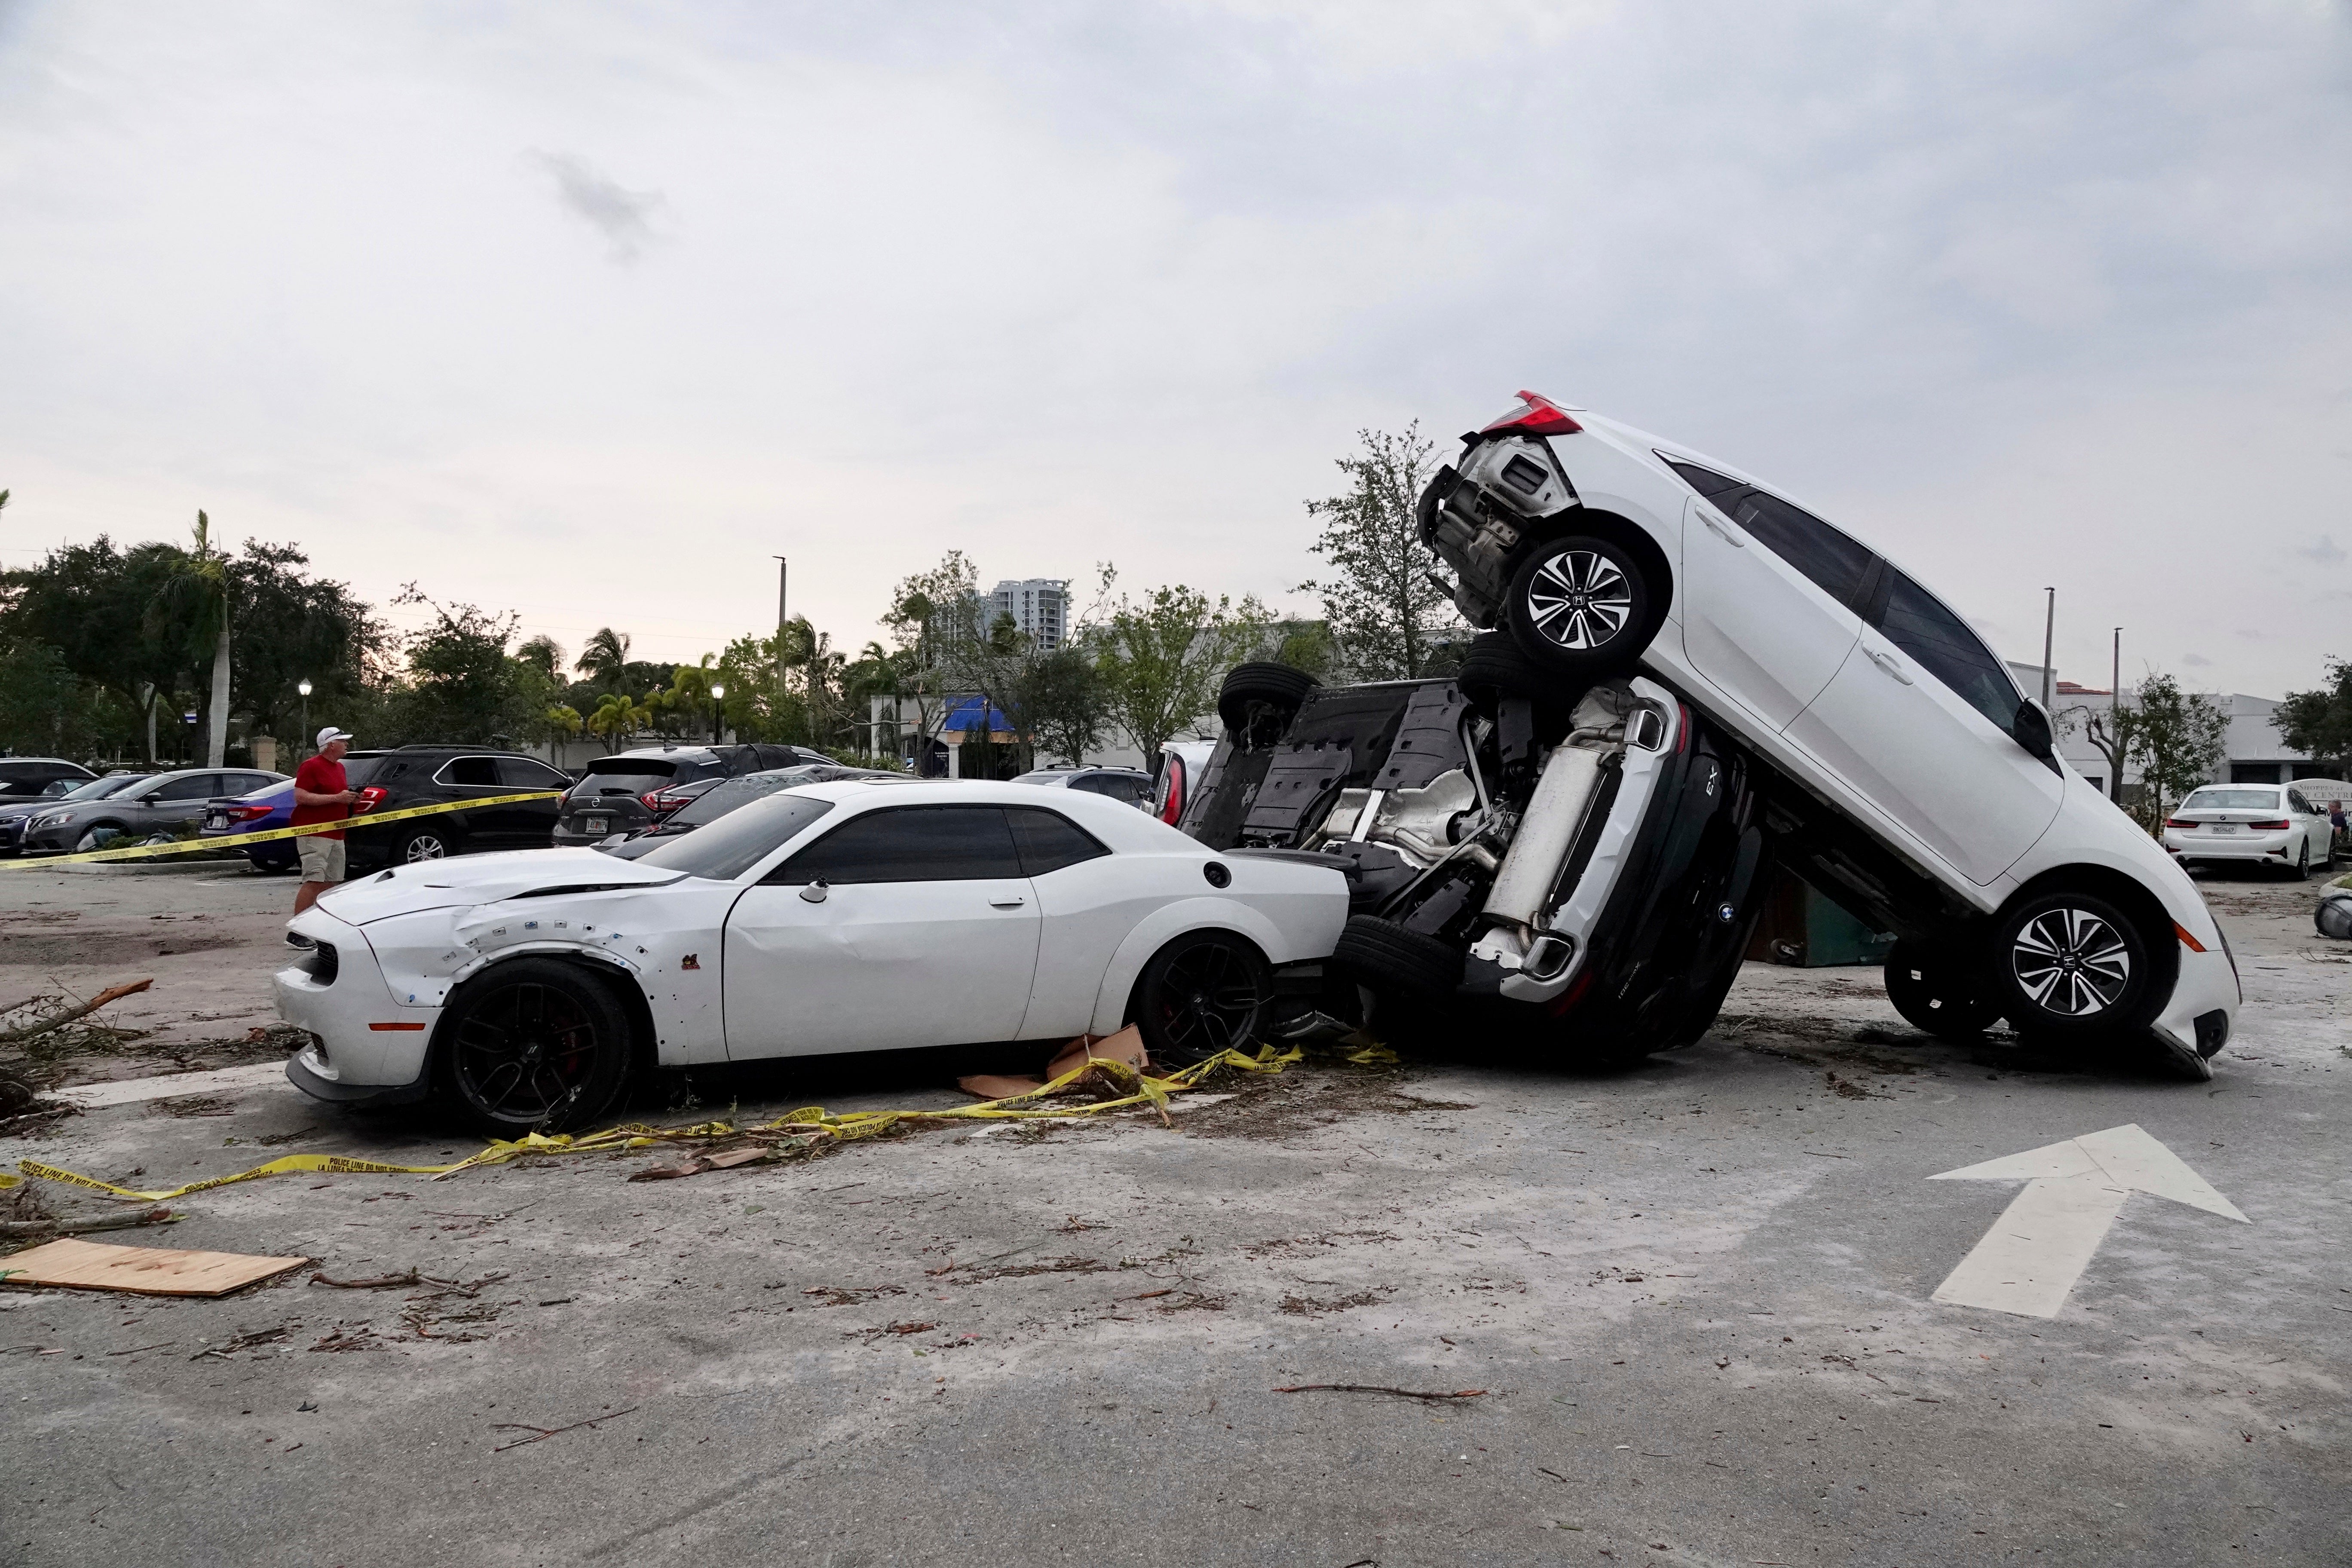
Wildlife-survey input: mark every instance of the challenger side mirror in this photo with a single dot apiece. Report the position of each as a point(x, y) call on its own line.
point(814, 892)
point(2030, 728)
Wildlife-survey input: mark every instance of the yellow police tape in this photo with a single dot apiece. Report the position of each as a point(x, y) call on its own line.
point(813, 1123)
point(239, 840)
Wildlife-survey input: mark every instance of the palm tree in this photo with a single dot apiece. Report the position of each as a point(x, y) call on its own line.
point(615, 715)
point(604, 656)
point(197, 593)
point(542, 652)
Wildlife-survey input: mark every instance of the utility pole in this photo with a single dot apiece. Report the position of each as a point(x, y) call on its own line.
point(781, 567)
point(2114, 712)
point(2048, 630)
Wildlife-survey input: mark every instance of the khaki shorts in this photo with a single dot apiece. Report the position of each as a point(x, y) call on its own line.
point(322, 857)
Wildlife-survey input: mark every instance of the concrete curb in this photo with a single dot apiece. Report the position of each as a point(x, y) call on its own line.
point(159, 868)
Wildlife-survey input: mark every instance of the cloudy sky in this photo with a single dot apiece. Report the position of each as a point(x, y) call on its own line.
point(589, 311)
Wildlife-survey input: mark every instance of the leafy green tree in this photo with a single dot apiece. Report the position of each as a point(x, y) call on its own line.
point(1386, 618)
point(461, 684)
point(2319, 722)
point(291, 628)
point(616, 716)
point(2177, 736)
point(1068, 704)
point(931, 615)
point(1163, 658)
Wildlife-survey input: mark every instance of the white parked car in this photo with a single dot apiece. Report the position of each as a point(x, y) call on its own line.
point(2270, 825)
point(1915, 783)
point(524, 989)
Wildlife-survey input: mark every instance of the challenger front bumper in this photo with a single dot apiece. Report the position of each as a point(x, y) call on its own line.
point(365, 1046)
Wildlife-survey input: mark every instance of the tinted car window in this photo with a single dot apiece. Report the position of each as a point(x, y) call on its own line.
point(720, 799)
point(473, 772)
point(195, 787)
point(522, 773)
point(1916, 623)
point(2294, 799)
point(728, 848)
point(358, 770)
point(1049, 841)
point(245, 784)
point(2231, 800)
point(1837, 564)
point(909, 844)
point(99, 789)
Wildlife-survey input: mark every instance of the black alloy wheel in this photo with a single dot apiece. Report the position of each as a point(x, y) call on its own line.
point(533, 1045)
point(1201, 993)
point(1579, 606)
point(1939, 992)
point(2071, 966)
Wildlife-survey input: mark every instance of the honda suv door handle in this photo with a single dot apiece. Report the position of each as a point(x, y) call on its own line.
point(1007, 903)
point(1890, 664)
point(1722, 529)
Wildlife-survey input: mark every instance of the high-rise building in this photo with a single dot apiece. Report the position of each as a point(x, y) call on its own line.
point(1040, 606)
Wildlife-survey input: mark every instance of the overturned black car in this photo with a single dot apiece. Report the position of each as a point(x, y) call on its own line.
point(1581, 875)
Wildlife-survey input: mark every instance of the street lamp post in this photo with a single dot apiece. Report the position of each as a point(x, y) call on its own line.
point(718, 696)
point(304, 688)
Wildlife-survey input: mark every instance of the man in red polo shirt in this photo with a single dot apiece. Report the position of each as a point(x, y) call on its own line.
point(321, 794)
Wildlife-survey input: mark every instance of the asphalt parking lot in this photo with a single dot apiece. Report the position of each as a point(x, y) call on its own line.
point(1696, 1301)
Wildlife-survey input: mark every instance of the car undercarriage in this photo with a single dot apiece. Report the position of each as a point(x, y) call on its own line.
point(1583, 874)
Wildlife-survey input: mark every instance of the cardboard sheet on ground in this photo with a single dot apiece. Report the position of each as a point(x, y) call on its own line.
point(144, 1270)
point(1126, 1047)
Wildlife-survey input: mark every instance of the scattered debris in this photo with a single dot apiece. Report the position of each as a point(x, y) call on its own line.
point(1371, 1388)
point(840, 1296)
point(42, 1229)
point(247, 1340)
point(360, 1338)
point(17, 1037)
point(73, 1265)
point(197, 1105)
point(380, 1282)
point(544, 1433)
point(1310, 1306)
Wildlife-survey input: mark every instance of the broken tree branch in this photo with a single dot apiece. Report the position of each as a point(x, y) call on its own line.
point(59, 1020)
point(546, 1432)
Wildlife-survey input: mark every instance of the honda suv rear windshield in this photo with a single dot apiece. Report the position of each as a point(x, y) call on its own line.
point(357, 771)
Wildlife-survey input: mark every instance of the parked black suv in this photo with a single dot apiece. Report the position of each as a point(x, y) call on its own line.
point(426, 775)
point(614, 795)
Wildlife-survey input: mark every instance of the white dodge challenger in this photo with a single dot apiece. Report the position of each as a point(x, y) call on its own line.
point(522, 990)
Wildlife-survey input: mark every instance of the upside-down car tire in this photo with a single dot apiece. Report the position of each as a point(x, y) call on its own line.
point(1939, 994)
point(1494, 668)
point(1252, 689)
point(1389, 960)
point(1580, 607)
point(532, 1045)
point(2071, 969)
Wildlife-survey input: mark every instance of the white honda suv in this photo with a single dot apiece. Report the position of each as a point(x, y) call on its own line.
point(1921, 789)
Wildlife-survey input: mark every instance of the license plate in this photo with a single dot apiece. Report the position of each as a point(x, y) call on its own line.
point(2223, 826)
point(595, 824)
point(215, 819)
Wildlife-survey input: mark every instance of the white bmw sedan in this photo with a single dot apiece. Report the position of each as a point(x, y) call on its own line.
point(2266, 825)
point(523, 990)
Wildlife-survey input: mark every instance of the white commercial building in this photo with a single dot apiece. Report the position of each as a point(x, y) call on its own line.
point(1040, 606)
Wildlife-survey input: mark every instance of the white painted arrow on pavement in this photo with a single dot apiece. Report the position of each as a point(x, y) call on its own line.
point(2030, 1260)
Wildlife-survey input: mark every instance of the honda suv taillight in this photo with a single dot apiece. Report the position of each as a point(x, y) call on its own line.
point(369, 798)
point(1171, 808)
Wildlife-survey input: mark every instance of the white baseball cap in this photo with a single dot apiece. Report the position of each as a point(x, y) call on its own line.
point(331, 733)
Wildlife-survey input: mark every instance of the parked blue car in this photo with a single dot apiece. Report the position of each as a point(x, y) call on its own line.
point(264, 808)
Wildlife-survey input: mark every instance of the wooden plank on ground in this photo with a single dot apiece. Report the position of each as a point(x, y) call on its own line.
point(71, 1265)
